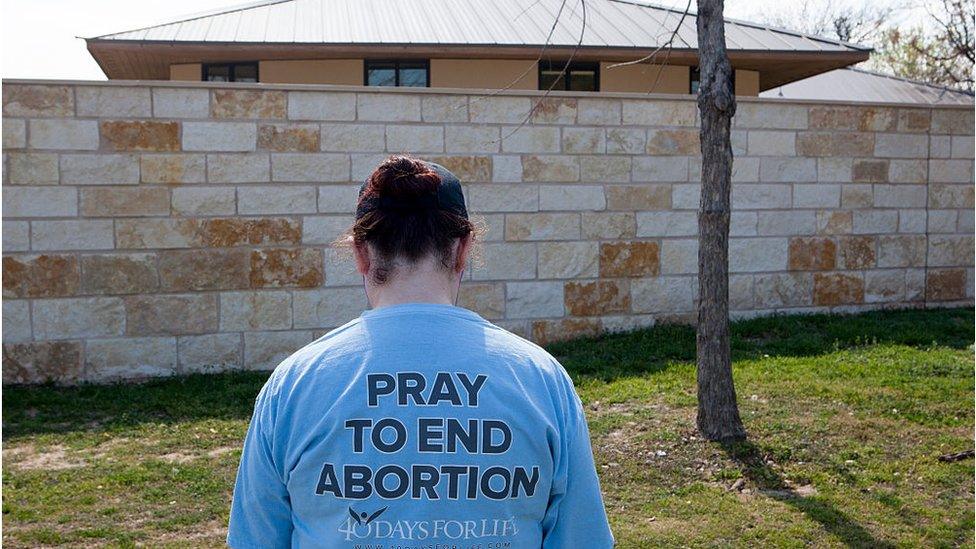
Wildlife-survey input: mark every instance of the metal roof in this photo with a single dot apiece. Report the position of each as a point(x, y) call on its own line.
point(850, 84)
point(609, 23)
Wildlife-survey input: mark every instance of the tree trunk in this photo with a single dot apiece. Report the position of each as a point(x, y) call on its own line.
point(718, 412)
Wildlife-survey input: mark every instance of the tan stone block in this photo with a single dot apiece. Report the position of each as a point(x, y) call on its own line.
point(286, 268)
point(414, 139)
point(679, 256)
point(771, 143)
point(99, 169)
point(288, 137)
point(16, 236)
point(42, 361)
point(51, 133)
point(908, 171)
point(276, 199)
point(787, 170)
point(14, 134)
point(554, 110)
point(884, 286)
point(534, 299)
point(506, 169)
point(503, 198)
point(601, 112)
point(76, 318)
point(180, 103)
point(545, 332)
point(655, 112)
point(608, 225)
point(500, 110)
point(72, 234)
point(768, 115)
point(488, 300)
point(664, 295)
point(950, 196)
point(467, 168)
point(777, 290)
point(812, 254)
point(304, 105)
point(857, 252)
point(837, 289)
point(626, 259)
point(626, 141)
point(128, 102)
point(683, 142)
point(237, 231)
point(16, 320)
point(950, 250)
point(530, 139)
point(506, 261)
point(33, 169)
point(444, 108)
point(870, 171)
point(834, 170)
point(601, 169)
point(913, 120)
point(140, 135)
point(238, 168)
point(599, 297)
point(37, 100)
point(388, 107)
point(119, 274)
point(945, 285)
point(127, 202)
point(173, 168)
point(170, 314)
point(210, 353)
point(338, 198)
point(638, 197)
point(834, 144)
point(542, 226)
point(584, 140)
point(248, 104)
point(834, 222)
point(327, 308)
point(856, 196)
point(188, 201)
point(317, 167)
point(220, 136)
point(212, 269)
point(252, 311)
point(550, 168)
point(324, 229)
point(901, 251)
point(953, 121)
point(40, 275)
point(753, 255)
point(131, 358)
point(661, 168)
point(472, 139)
point(568, 259)
point(895, 145)
point(571, 197)
point(951, 171)
point(861, 118)
point(157, 233)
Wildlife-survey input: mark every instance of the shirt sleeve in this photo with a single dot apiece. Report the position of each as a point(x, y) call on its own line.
point(260, 514)
point(575, 515)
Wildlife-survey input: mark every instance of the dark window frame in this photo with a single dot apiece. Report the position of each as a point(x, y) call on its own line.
point(231, 69)
point(396, 70)
point(549, 65)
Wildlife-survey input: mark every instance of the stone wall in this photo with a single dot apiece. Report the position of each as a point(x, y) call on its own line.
point(159, 228)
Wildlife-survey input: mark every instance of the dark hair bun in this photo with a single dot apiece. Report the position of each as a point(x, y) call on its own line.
point(402, 178)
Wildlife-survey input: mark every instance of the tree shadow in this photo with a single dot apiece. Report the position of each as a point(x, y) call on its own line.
point(649, 351)
point(751, 459)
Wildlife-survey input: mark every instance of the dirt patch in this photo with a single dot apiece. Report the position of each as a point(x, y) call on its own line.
point(52, 458)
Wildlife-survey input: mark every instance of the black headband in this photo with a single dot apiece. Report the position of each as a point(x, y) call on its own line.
point(448, 197)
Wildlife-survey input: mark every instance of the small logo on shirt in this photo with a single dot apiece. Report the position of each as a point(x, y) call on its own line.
point(363, 519)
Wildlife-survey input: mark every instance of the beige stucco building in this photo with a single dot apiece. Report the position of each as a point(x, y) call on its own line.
point(514, 44)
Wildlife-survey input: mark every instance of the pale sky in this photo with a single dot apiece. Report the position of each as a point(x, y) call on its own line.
point(39, 36)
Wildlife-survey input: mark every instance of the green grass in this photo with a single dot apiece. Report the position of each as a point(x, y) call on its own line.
point(846, 415)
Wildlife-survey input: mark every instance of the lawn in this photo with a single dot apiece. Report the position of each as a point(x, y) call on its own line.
point(847, 416)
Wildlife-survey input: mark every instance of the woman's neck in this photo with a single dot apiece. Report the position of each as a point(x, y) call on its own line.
point(421, 284)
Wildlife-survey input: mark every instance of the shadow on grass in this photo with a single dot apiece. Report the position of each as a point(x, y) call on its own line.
point(751, 459)
point(653, 350)
point(48, 409)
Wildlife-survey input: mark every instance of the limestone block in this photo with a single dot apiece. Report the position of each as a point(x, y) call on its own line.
point(288, 137)
point(609, 225)
point(388, 107)
point(812, 254)
point(252, 311)
point(506, 261)
point(37, 100)
point(568, 259)
point(170, 314)
point(444, 108)
point(503, 198)
point(72, 234)
point(667, 294)
point(42, 361)
point(173, 168)
point(45, 275)
point(307, 105)
point(630, 259)
point(601, 112)
point(52, 133)
point(220, 136)
point(210, 269)
point(32, 169)
point(658, 168)
point(327, 308)
point(554, 110)
point(667, 223)
point(81, 317)
point(124, 202)
point(771, 143)
point(114, 101)
point(778, 290)
point(626, 141)
point(472, 139)
point(584, 140)
point(202, 201)
point(571, 197)
point(210, 353)
point(180, 103)
point(414, 139)
point(488, 300)
point(130, 273)
point(534, 299)
point(139, 135)
point(655, 112)
point(833, 289)
point(598, 297)
point(309, 167)
point(353, 137)
point(277, 199)
point(286, 267)
point(39, 202)
point(130, 358)
point(638, 197)
point(265, 350)
point(248, 104)
point(756, 255)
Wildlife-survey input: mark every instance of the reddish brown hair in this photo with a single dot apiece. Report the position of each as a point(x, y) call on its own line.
point(406, 234)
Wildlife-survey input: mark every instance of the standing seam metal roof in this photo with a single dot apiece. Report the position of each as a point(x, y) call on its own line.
point(610, 23)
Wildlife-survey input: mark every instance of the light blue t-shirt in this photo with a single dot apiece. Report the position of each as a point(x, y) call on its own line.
point(418, 426)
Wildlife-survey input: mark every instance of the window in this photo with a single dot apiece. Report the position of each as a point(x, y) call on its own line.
point(578, 76)
point(695, 80)
point(411, 74)
point(230, 72)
